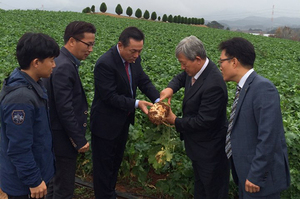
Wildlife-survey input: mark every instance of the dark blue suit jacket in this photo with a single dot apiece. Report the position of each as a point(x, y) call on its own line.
point(259, 148)
point(113, 101)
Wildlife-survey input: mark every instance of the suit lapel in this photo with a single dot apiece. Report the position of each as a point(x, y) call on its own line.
point(120, 66)
point(191, 90)
point(243, 94)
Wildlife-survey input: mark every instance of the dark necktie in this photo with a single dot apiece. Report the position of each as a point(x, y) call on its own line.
point(232, 114)
point(126, 68)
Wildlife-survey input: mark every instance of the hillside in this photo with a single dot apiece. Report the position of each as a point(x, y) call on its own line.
point(260, 23)
point(276, 59)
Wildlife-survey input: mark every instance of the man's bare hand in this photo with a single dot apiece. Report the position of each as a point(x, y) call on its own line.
point(170, 117)
point(85, 148)
point(143, 105)
point(166, 93)
point(39, 191)
point(250, 187)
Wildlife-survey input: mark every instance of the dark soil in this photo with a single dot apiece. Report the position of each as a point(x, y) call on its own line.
point(126, 189)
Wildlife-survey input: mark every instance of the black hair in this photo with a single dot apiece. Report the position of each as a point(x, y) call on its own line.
point(131, 33)
point(35, 45)
point(241, 49)
point(77, 29)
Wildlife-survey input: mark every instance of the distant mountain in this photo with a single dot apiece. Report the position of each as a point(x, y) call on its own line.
point(260, 23)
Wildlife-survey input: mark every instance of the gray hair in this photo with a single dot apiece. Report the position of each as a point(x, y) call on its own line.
point(191, 47)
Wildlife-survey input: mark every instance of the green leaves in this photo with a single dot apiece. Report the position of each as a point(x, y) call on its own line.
point(150, 146)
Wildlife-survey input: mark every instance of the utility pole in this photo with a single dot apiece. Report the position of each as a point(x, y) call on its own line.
point(272, 18)
point(272, 13)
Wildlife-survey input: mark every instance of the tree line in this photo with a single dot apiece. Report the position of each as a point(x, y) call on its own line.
point(146, 15)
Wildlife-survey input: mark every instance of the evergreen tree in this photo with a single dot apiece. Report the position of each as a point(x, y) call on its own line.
point(165, 18)
point(182, 20)
point(146, 14)
point(178, 19)
point(86, 10)
point(119, 9)
point(170, 18)
point(138, 13)
point(153, 16)
point(103, 7)
point(193, 20)
point(202, 21)
point(185, 20)
point(129, 11)
point(175, 19)
point(158, 18)
point(93, 8)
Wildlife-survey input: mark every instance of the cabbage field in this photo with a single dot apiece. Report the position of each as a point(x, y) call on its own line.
point(158, 149)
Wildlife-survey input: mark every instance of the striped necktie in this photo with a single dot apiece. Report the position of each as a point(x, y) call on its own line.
point(232, 114)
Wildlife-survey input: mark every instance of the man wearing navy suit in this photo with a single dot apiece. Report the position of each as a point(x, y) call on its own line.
point(204, 123)
point(117, 75)
point(256, 143)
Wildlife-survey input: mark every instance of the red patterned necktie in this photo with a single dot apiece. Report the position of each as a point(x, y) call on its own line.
point(193, 81)
point(126, 68)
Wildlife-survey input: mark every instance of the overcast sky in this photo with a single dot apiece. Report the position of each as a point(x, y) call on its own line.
point(208, 9)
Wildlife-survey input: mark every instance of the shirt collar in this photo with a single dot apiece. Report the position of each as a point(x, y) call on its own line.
point(76, 61)
point(120, 55)
point(202, 69)
point(245, 77)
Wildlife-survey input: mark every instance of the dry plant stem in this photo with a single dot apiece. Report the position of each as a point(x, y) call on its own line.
point(169, 125)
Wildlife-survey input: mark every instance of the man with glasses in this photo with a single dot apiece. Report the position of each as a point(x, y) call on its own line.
point(68, 107)
point(255, 143)
point(117, 75)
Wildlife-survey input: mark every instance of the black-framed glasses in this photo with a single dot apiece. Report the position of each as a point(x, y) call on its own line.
point(87, 44)
point(220, 61)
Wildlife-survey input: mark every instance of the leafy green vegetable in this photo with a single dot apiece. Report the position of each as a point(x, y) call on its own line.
point(149, 146)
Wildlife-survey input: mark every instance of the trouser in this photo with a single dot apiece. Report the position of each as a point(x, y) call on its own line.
point(242, 192)
point(63, 183)
point(211, 179)
point(245, 195)
point(21, 197)
point(107, 158)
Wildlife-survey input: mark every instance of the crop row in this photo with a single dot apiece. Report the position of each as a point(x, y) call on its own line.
point(159, 148)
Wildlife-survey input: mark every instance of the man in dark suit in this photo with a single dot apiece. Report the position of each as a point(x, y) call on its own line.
point(117, 75)
point(256, 143)
point(204, 124)
point(68, 107)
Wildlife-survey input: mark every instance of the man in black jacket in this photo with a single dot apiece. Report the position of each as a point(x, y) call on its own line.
point(68, 107)
point(118, 73)
point(203, 125)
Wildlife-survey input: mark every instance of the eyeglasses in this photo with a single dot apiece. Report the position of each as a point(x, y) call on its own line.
point(87, 44)
point(222, 60)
